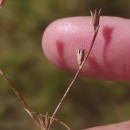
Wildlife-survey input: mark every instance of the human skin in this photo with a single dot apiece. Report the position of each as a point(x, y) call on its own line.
point(110, 55)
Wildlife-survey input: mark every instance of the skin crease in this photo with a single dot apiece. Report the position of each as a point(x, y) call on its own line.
point(110, 55)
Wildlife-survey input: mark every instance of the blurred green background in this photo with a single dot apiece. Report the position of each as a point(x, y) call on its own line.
point(89, 103)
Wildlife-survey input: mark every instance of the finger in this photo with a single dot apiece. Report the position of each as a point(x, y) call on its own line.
point(110, 55)
point(118, 126)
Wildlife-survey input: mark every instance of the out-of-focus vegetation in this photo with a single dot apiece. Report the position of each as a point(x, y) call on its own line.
point(90, 102)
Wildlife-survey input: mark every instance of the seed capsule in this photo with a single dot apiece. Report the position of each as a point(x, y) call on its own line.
point(80, 56)
point(95, 18)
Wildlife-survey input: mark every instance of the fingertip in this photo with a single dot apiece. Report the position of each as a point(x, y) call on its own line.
point(62, 38)
point(109, 58)
point(116, 126)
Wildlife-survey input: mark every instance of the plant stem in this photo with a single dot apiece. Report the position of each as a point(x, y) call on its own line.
point(75, 77)
point(21, 99)
point(61, 101)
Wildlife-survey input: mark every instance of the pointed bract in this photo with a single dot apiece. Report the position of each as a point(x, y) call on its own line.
point(80, 56)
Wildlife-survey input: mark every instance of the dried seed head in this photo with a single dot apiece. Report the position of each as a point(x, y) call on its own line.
point(1, 73)
point(80, 56)
point(95, 18)
point(44, 121)
point(2, 2)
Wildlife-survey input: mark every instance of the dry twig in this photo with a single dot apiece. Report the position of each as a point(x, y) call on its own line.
point(21, 99)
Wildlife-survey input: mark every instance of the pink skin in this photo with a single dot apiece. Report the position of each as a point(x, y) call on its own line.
point(118, 126)
point(109, 58)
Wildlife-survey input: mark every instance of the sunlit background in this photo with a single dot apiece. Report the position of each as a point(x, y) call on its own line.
point(90, 102)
